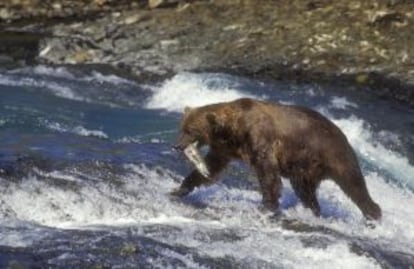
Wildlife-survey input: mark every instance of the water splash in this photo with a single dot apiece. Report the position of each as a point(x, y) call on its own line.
point(188, 89)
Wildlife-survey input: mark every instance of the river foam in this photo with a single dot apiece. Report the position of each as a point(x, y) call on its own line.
point(189, 89)
point(140, 199)
point(361, 138)
point(78, 130)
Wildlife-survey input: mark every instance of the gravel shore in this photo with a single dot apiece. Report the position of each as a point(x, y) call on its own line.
point(368, 44)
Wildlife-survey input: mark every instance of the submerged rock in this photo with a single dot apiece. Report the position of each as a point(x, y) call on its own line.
point(128, 249)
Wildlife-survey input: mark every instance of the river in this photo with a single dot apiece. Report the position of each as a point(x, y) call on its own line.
point(86, 166)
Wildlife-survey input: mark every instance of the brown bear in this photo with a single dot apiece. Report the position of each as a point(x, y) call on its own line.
point(275, 140)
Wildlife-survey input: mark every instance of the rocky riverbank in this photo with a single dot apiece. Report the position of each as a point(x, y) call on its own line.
point(364, 43)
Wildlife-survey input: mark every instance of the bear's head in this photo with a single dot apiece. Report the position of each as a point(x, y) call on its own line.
point(213, 125)
point(194, 127)
point(203, 125)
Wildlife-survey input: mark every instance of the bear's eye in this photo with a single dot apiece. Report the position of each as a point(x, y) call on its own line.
point(187, 131)
point(191, 131)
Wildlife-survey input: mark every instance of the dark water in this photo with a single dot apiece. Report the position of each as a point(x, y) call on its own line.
point(86, 166)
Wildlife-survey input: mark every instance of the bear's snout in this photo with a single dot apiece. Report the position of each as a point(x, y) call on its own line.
point(183, 142)
point(178, 147)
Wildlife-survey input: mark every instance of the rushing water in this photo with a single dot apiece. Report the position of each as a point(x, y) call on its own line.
point(86, 166)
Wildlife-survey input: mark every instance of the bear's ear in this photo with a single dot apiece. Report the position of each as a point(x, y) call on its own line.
point(187, 109)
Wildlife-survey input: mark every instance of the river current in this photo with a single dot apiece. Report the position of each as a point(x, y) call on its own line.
point(86, 166)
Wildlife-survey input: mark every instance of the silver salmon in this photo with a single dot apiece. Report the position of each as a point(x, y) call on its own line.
point(194, 156)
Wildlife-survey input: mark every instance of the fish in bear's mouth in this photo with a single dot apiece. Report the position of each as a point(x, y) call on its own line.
point(193, 155)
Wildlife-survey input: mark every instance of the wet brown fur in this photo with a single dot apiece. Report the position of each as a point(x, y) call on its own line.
point(276, 140)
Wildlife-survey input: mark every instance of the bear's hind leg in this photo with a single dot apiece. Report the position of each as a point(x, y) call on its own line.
point(354, 186)
point(306, 191)
point(215, 163)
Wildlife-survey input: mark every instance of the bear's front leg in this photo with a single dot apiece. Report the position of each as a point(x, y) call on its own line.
point(215, 164)
point(270, 184)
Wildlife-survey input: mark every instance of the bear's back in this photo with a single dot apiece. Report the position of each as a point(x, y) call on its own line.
point(298, 126)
